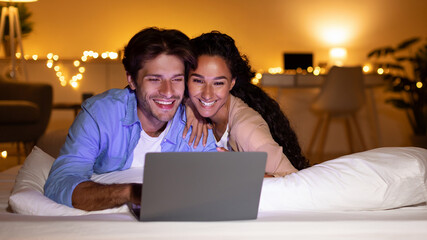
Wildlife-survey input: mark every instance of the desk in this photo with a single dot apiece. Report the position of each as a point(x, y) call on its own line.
point(309, 80)
point(68, 106)
point(296, 81)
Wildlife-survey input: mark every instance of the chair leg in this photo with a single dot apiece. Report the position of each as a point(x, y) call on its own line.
point(28, 146)
point(323, 136)
point(359, 132)
point(349, 136)
point(314, 136)
point(18, 152)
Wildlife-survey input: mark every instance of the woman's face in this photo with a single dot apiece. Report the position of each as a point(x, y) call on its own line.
point(209, 86)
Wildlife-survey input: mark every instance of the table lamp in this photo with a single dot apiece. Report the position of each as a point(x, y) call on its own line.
point(15, 34)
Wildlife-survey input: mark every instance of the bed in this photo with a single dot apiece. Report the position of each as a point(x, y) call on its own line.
point(377, 194)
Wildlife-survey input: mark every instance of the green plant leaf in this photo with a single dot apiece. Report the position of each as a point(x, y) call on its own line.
point(387, 50)
point(375, 53)
point(407, 43)
point(398, 102)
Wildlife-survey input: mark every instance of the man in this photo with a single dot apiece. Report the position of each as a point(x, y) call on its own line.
point(115, 129)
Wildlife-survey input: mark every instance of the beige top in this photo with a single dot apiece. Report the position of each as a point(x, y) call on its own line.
point(249, 132)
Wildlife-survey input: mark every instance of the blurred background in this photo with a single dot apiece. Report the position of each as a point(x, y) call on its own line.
point(84, 40)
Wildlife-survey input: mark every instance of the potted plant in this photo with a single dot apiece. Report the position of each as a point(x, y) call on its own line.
point(24, 20)
point(405, 71)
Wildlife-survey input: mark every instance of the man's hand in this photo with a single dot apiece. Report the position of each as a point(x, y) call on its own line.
point(198, 123)
point(91, 196)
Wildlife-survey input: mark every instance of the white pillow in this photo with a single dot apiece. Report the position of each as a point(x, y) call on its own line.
point(27, 196)
point(381, 178)
point(378, 179)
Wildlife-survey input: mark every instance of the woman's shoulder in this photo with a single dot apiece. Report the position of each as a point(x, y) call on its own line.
point(241, 116)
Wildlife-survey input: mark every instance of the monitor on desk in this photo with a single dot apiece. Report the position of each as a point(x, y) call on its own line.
point(293, 61)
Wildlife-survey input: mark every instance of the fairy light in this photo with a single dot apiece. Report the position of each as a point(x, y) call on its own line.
point(380, 71)
point(74, 84)
point(4, 154)
point(113, 55)
point(275, 70)
point(316, 71)
point(74, 81)
point(366, 68)
point(419, 84)
point(49, 63)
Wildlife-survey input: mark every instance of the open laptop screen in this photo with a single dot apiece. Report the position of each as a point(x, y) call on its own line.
point(210, 186)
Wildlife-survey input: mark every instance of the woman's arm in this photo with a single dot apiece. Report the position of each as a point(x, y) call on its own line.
point(198, 123)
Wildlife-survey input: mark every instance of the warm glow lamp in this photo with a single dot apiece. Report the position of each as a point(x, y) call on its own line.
point(15, 34)
point(338, 56)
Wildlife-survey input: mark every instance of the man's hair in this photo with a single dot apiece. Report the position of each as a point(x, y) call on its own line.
point(150, 43)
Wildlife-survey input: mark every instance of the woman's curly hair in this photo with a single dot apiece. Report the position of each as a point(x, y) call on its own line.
point(219, 44)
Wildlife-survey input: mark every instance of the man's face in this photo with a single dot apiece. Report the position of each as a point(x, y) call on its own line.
point(159, 89)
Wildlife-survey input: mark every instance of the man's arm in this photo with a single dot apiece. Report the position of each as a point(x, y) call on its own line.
point(91, 196)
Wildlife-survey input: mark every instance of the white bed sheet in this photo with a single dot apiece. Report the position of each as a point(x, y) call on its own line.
point(402, 223)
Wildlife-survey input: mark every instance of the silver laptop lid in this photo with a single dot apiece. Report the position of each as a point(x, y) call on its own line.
point(211, 186)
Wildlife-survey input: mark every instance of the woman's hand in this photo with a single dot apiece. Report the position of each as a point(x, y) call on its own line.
point(221, 149)
point(198, 124)
point(266, 175)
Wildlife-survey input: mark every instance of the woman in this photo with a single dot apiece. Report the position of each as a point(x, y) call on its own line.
point(244, 118)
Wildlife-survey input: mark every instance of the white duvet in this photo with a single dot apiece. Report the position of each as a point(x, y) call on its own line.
point(377, 179)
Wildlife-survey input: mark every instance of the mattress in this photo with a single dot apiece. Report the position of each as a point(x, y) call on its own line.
point(401, 223)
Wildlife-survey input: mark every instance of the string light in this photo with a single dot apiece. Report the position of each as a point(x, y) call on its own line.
point(275, 70)
point(367, 68)
point(74, 81)
point(4, 154)
point(257, 79)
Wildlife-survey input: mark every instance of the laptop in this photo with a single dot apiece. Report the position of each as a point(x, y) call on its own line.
point(201, 186)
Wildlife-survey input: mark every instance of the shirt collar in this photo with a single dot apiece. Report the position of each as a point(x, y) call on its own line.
point(131, 115)
point(178, 121)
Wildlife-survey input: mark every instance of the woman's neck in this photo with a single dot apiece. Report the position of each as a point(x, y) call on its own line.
point(220, 120)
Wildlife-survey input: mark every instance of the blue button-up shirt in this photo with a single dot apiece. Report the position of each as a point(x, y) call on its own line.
point(102, 139)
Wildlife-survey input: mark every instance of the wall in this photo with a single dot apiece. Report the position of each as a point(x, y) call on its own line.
point(105, 74)
point(262, 29)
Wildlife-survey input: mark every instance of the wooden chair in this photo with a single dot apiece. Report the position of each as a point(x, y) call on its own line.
point(25, 110)
point(341, 96)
